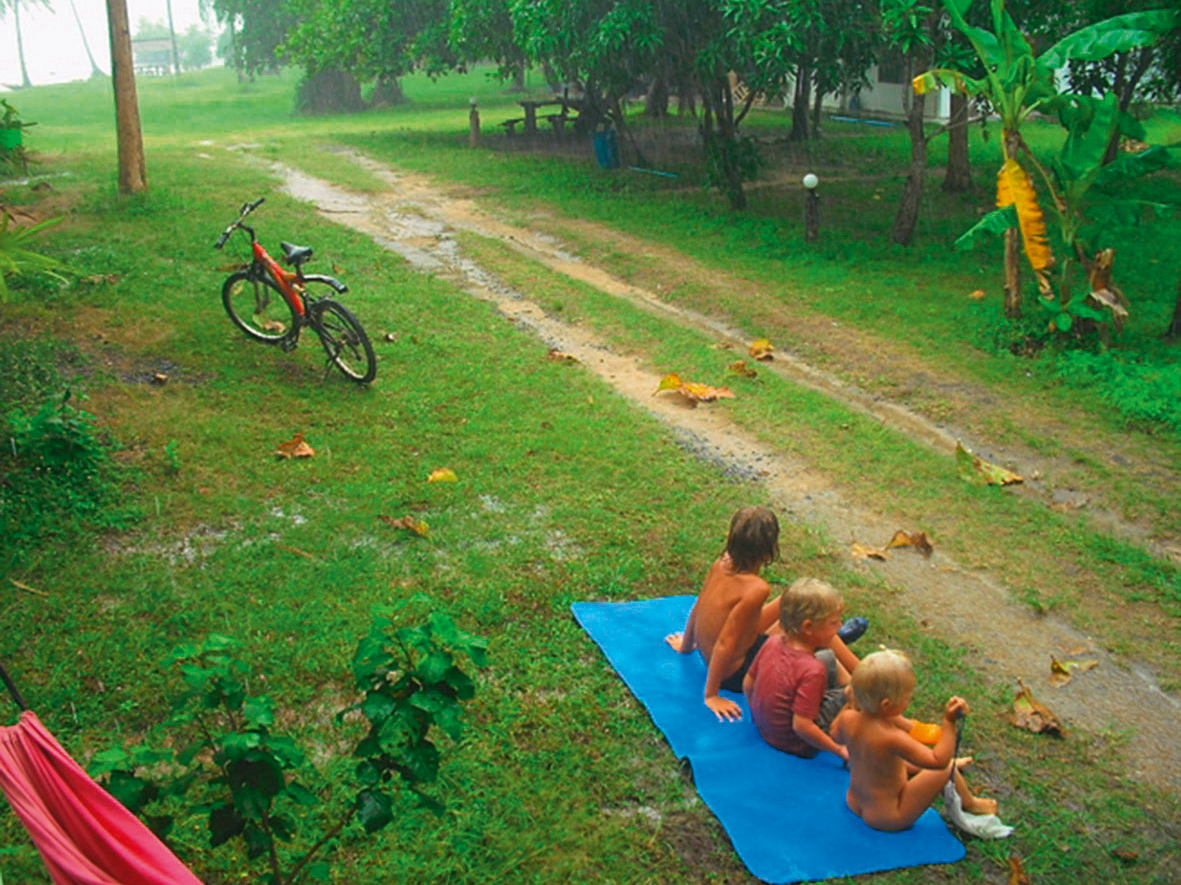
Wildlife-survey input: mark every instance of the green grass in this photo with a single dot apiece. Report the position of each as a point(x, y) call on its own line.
point(566, 492)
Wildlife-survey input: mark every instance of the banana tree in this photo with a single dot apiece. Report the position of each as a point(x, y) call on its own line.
point(1017, 82)
point(1087, 201)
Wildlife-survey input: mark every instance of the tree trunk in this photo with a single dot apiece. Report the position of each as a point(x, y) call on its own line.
point(95, 71)
point(388, 91)
point(133, 174)
point(328, 92)
point(912, 192)
point(1174, 331)
point(172, 36)
point(817, 107)
point(958, 177)
point(1012, 245)
point(799, 105)
point(719, 139)
point(656, 98)
point(20, 46)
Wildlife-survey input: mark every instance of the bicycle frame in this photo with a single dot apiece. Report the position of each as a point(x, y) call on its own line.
point(286, 280)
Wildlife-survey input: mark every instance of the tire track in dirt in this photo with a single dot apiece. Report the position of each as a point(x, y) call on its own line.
point(415, 220)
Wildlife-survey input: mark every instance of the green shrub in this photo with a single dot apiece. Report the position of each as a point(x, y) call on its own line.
point(55, 476)
point(1141, 391)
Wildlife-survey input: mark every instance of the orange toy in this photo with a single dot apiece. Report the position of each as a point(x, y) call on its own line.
point(926, 733)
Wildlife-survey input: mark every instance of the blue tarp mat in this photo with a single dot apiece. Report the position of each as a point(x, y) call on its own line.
point(785, 816)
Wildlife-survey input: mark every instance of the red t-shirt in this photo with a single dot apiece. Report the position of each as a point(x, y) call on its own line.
point(786, 681)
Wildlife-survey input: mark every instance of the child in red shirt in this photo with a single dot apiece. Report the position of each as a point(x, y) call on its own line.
point(796, 687)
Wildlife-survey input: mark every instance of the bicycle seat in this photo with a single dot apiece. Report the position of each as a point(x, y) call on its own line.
point(295, 255)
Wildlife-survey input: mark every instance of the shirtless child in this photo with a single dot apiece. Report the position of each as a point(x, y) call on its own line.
point(893, 778)
point(732, 615)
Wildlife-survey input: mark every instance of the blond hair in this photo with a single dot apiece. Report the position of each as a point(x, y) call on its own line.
point(753, 539)
point(808, 599)
point(883, 675)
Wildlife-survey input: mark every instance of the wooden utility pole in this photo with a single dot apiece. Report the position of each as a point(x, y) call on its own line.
point(133, 174)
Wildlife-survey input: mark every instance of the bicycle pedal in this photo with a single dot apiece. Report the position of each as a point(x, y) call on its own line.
point(288, 344)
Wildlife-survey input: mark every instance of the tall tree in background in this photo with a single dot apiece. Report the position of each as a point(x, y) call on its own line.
point(912, 29)
point(95, 70)
point(15, 7)
point(133, 174)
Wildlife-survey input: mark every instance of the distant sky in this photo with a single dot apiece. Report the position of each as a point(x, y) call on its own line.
point(54, 52)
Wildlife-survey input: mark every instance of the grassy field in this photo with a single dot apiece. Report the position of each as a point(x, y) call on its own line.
point(566, 492)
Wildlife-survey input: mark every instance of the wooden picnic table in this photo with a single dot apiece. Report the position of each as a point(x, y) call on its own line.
point(531, 106)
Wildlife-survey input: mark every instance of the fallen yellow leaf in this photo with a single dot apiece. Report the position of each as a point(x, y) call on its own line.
point(741, 368)
point(761, 349)
point(860, 551)
point(977, 295)
point(558, 357)
point(408, 523)
point(973, 468)
point(918, 540)
point(295, 448)
point(442, 474)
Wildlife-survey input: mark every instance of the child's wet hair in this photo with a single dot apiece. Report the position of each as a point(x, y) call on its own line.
point(753, 540)
point(808, 599)
point(883, 675)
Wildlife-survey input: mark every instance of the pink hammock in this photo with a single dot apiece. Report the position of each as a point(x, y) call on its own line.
point(84, 835)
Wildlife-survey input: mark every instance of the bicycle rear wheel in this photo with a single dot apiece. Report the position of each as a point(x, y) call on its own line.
point(344, 341)
point(258, 308)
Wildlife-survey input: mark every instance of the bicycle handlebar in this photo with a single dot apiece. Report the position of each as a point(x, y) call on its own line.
point(246, 209)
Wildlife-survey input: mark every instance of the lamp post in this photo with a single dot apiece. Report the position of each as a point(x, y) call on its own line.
point(811, 209)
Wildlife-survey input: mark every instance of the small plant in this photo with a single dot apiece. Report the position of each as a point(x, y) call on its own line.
point(12, 151)
point(17, 258)
point(171, 459)
point(253, 784)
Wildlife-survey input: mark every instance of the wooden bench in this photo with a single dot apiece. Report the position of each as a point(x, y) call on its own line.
point(511, 125)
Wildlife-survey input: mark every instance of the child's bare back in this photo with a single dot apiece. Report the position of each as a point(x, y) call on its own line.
point(732, 611)
point(893, 778)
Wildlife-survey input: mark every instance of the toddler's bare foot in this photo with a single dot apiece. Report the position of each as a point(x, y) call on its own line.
point(980, 805)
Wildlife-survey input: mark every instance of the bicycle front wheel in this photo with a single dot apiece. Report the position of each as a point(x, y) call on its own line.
point(344, 341)
point(258, 307)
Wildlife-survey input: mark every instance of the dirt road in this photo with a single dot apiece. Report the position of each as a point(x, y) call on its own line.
point(415, 219)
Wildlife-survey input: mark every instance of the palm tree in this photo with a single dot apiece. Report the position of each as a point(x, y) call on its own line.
point(95, 71)
point(15, 6)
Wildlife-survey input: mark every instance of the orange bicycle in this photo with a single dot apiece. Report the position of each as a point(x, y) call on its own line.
point(272, 305)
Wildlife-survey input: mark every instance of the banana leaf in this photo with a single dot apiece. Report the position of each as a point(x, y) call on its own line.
point(994, 224)
point(1116, 34)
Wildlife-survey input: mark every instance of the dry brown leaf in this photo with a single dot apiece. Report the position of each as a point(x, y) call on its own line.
point(409, 523)
point(974, 468)
point(918, 540)
point(741, 368)
point(558, 357)
point(860, 551)
point(442, 474)
point(1017, 874)
point(692, 391)
point(1125, 856)
point(295, 448)
point(1033, 716)
point(1062, 671)
point(762, 349)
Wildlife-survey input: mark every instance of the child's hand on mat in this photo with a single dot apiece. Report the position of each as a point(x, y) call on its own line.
point(724, 709)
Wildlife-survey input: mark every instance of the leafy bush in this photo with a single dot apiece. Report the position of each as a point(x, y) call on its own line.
point(55, 475)
point(1142, 392)
point(252, 784)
